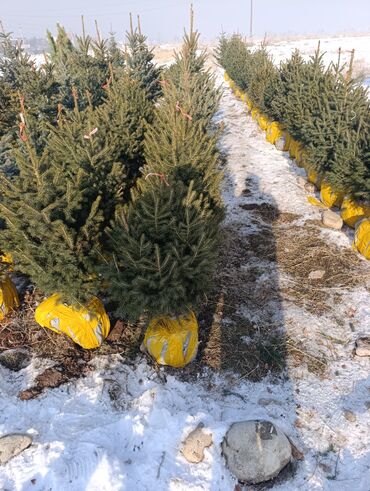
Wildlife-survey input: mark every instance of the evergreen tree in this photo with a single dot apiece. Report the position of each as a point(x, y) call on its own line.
point(234, 56)
point(139, 60)
point(195, 84)
point(58, 208)
point(82, 68)
point(165, 242)
point(23, 85)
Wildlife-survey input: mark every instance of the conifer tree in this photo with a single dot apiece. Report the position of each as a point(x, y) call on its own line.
point(139, 60)
point(23, 84)
point(83, 66)
point(58, 208)
point(194, 82)
point(165, 242)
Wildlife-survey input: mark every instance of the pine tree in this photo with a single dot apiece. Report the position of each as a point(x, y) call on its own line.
point(23, 85)
point(58, 208)
point(139, 60)
point(83, 67)
point(234, 56)
point(165, 242)
point(116, 55)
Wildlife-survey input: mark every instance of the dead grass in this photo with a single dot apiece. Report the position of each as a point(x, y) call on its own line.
point(20, 330)
point(242, 326)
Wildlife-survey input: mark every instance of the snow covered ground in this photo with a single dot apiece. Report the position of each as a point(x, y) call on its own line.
point(330, 45)
point(120, 428)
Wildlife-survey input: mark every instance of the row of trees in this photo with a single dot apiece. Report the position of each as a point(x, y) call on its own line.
point(324, 108)
point(109, 172)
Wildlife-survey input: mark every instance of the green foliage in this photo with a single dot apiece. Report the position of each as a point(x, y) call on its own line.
point(58, 208)
point(139, 59)
point(165, 242)
point(322, 108)
point(84, 67)
point(22, 84)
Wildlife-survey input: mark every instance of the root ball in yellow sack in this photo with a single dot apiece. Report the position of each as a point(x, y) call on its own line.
point(263, 122)
point(172, 341)
point(87, 326)
point(255, 114)
point(9, 299)
point(362, 238)
point(313, 177)
point(351, 212)
point(273, 132)
point(330, 197)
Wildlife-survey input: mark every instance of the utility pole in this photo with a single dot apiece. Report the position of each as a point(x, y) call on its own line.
point(251, 22)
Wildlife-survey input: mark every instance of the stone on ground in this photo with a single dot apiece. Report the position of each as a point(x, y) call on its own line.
point(193, 446)
point(256, 451)
point(280, 143)
point(363, 346)
point(12, 445)
point(332, 220)
point(15, 359)
point(309, 187)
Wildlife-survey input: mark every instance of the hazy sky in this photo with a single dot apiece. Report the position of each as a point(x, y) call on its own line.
point(162, 20)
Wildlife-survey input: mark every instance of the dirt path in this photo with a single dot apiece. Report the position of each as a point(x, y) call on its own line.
point(268, 310)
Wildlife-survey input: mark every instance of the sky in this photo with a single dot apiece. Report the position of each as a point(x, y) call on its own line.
point(163, 20)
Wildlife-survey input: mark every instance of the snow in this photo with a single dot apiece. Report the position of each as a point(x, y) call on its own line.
point(120, 428)
point(329, 45)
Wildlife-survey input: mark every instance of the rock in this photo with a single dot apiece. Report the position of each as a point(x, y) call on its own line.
point(12, 445)
point(15, 359)
point(256, 451)
point(316, 275)
point(309, 187)
point(280, 143)
point(193, 446)
point(26, 395)
point(332, 220)
point(301, 181)
point(363, 346)
point(350, 416)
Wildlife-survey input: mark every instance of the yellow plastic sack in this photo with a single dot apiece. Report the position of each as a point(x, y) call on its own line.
point(6, 258)
point(351, 212)
point(330, 197)
point(226, 77)
point(313, 177)
point(263, 122)
point(255, 114)
point(288, 139)
point(294, 148)
point(9, 299)
point(316, 202)
point(273, 132)
point(362, 238)
point(172, 342)
point(248, 102)
point(87, 326)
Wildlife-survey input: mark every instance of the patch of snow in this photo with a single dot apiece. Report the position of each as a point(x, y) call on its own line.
point(121, 427)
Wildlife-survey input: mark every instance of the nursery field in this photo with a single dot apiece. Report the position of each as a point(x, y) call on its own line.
point(279, 326)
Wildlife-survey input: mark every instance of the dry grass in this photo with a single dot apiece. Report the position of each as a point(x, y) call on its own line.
point(242, 325)
point(20, 330)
